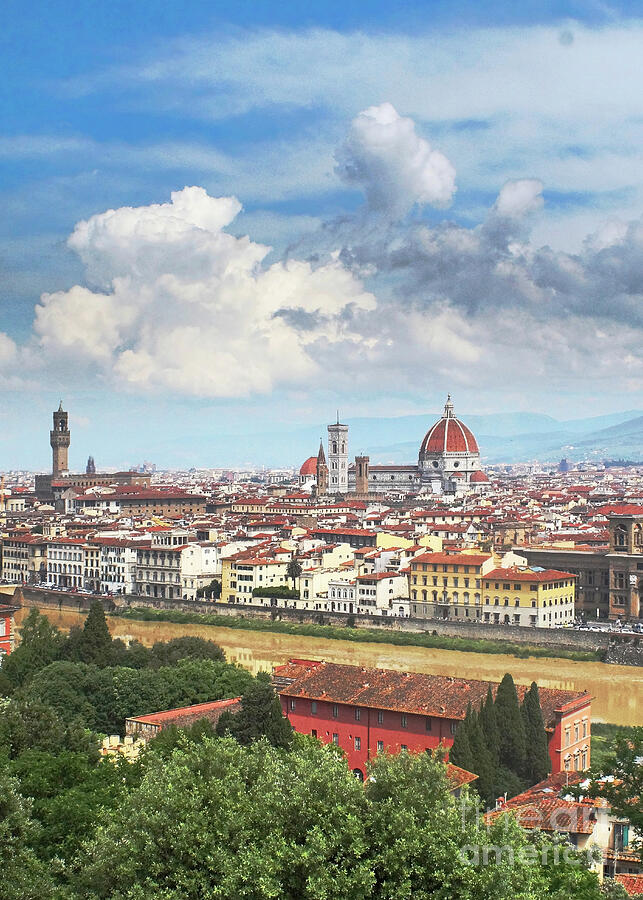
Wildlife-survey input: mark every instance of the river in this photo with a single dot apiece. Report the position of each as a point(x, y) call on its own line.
point(617, 690)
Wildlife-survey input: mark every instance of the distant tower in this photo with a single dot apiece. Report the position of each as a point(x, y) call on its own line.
point(90, 468)
point(322, 470)
point(361, 474)
point(60, 438)
point(338, 457)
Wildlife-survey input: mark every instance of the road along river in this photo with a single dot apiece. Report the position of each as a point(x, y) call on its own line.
point(617, 690)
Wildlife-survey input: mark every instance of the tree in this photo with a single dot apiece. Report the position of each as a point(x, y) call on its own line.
point(537, 761)
point(31, 724)
point(510, 726)
point(293, 569)
point(620, 780)
point(95, 644)
point(24, 876)
point(485, 766)
point(221, 820)
point(212, 590)
point(260, 716)
point(461, 753)
point(40, 644)
point(423, 843)
point(489, 725)
point(169, 652)
point(62, 686)
point(70, 792)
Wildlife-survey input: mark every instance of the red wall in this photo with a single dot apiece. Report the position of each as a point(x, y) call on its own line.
point(5, 634)
point(414, 736)
point(557, 749)
point(367, 729)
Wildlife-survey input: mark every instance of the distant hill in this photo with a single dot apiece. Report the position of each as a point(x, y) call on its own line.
point(503, 437)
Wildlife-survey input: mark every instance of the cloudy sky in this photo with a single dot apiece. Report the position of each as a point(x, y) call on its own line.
point(232, 218)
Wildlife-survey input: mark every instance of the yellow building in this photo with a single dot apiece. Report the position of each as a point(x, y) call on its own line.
point(240, 575)
point(448, 585)
point(529, 596)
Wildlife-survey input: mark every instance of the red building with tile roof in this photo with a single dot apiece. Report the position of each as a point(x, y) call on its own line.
point(365, 711)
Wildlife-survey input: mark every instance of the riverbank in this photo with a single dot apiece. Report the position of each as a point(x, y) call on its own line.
point(617, 691)
point(426, 640)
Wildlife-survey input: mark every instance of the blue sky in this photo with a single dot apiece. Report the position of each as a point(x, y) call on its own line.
point(436, 196)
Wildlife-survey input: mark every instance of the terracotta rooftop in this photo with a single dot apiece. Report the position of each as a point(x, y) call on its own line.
point(413, 692)
point(633, 884)
point(186, 715)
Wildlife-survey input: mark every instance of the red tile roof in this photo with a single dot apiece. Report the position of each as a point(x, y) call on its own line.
point(515, 574)
point(185, 715)
point(458, 559)
point(633, 884)
point(413, 692)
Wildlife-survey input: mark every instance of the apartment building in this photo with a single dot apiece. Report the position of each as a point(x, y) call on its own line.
point(24, 558)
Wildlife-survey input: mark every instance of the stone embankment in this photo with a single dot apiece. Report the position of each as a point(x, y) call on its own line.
point(621, 649)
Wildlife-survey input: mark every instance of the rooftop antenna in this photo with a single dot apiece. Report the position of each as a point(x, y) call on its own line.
point(338, 417)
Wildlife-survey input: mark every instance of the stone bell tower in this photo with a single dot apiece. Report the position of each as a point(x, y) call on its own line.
point(322, 471)
point(60, 438)
point(361, 475)
point(338, 458)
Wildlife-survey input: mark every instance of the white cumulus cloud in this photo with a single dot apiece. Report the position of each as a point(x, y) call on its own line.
point(395, 167)
point(186, 307)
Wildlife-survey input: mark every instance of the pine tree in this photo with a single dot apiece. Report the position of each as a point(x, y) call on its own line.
point(95, 643)
point(511, 726)
point(537, 761)
point(461, 753)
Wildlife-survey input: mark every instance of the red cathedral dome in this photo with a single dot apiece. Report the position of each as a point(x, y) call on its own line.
point(449, 435)
point(309, 467)
point(479, 477)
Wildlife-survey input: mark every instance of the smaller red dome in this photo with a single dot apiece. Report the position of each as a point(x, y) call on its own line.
point(479, 477)
point(309, 467)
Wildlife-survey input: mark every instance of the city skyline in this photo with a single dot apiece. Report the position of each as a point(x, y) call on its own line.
point(422, 216)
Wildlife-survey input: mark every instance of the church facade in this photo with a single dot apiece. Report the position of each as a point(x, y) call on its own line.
point(448, 463)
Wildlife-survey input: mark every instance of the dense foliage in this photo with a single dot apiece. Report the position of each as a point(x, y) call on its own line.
point(250, 810)
point(504, 743)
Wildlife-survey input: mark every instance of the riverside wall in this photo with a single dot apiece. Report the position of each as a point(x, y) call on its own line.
point(619, 649)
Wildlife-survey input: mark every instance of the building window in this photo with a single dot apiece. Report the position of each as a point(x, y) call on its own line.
point(380, 746)
point(403, 747)
point(313, 707)
point(335, 710)
point(454, 727)
point(358, 715)
point(403, 720)
point(358, 743)
point(335, 739)
point(380, 717)
point(314, 732)
point(427, 724)
point(293, 704)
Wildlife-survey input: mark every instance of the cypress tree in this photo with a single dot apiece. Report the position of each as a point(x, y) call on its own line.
point(485, 767)
point(461, 753)
point(489, 725)
point(94, 645)
point(537, 761)
point(511, 726)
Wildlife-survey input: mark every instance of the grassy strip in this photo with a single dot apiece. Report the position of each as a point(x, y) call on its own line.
point(359, 635)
